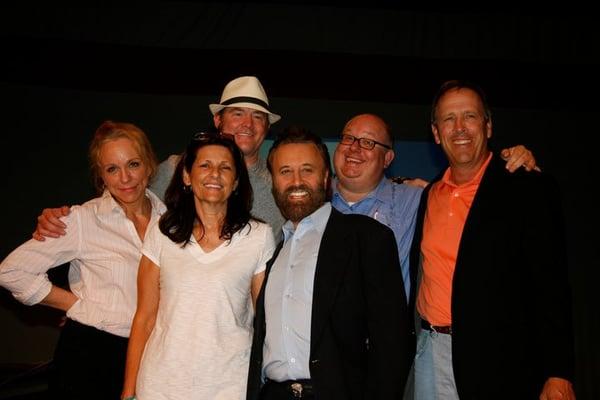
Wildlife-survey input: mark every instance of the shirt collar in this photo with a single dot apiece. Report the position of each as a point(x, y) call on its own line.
point(474, 181)
point(317, 220)
point(108, 204)
point(383, 188)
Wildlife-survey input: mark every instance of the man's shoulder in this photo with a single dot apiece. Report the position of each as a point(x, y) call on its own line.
point(521, 180)
point(356, 222)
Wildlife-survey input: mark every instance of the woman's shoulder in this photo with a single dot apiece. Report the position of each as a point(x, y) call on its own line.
point(255, 229)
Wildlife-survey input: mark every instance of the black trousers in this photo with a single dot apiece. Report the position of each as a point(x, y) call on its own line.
point(88, 364)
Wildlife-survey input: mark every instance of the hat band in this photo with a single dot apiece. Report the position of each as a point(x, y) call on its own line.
point(245, 99)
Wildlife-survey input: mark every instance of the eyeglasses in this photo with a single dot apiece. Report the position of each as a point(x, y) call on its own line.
point(365, 143)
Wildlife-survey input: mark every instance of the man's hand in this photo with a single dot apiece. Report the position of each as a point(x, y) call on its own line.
point(49, 223)
point(519, 156)
point(557, 389)
point(417, 182)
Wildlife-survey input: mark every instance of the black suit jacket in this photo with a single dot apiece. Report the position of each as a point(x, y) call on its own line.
point(361, 341)
point(511, 308)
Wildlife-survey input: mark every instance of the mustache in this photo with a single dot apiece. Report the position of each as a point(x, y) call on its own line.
point(291, 189)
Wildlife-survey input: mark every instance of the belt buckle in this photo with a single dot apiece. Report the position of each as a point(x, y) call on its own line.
point(297, 389)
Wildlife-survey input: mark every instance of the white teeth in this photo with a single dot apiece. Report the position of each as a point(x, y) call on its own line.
point(298, 193)
point(212, 186)
point(464, 141)
point(353, 160)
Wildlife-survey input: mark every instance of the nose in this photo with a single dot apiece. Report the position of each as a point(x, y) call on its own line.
point(355, 146)
point(124, 175)
point(214, 172)
point(459, 125)
point(247, 120)
point(296, 178)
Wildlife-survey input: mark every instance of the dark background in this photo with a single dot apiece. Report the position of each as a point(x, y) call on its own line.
point(63, 70)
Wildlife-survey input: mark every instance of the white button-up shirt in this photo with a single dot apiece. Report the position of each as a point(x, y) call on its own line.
point(288, 299)
point(104, 250)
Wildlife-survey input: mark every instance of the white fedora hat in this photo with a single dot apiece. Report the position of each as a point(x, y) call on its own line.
point(245, 91)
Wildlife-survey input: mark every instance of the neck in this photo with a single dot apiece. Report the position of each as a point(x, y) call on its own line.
point(212, 216)
point(251, 160)
point(463, 173)
point(353, 195)
point(142, 207)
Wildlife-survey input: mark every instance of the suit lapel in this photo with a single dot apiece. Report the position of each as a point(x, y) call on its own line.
point(260, 301)
point(331, 264)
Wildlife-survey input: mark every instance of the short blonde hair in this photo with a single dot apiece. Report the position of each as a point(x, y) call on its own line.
point(110, 130)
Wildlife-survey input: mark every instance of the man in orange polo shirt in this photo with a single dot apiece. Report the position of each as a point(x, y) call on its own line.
point(493, 296)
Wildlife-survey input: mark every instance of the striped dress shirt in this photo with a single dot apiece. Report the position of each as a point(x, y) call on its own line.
point(104, 251)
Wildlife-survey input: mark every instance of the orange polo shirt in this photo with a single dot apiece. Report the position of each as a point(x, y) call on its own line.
point(447, 210)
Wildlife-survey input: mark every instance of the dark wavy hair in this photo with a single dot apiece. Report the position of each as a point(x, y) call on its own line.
point(177, 223)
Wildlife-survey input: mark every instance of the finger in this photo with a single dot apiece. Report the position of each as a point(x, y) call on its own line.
point(505, 154)
point(55, 220)
point(47, 233)
point(538, 169)
point(36, 236)
point(514, 162)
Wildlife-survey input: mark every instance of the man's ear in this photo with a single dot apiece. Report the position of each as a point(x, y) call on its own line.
point(435, 132)
point(488, 129)
point(217, 119)
point(389, 157)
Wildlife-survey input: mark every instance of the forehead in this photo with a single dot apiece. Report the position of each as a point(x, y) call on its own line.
point(229, 110)
point(118, 148)
point(292, 154)
point(213, 151)
point(462, 98)
point(366, 127)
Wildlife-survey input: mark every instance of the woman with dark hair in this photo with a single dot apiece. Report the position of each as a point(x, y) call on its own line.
point(103, 244)
point(201, 270)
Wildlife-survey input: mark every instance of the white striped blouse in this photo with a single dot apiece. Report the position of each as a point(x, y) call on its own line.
point(104, 250)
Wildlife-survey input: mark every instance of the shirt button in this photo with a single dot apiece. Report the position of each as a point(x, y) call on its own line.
point(292, 360)
point(455, 194)
point(450, 213)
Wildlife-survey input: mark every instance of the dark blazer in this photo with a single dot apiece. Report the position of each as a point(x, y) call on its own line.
point(361, 341)
point(511, 308)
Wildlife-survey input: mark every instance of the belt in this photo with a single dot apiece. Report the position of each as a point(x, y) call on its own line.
point(433, 328)
point(298, 389)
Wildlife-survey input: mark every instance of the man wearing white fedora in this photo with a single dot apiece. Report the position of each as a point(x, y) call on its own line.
point(243, 112)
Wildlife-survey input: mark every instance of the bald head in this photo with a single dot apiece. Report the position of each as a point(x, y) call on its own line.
point(376, 123)
point(359, 170)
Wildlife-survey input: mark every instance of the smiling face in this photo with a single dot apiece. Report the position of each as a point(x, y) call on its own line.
point(213, 176)
point(248, 127)
point(123, 171)
point(299, 179)
point(462, 129)
point(360, 170)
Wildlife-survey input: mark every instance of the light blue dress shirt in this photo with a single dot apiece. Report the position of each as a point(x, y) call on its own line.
point(394, 205)
point(288, 299)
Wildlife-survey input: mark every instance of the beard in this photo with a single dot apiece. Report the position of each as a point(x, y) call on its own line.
point(296, 210)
